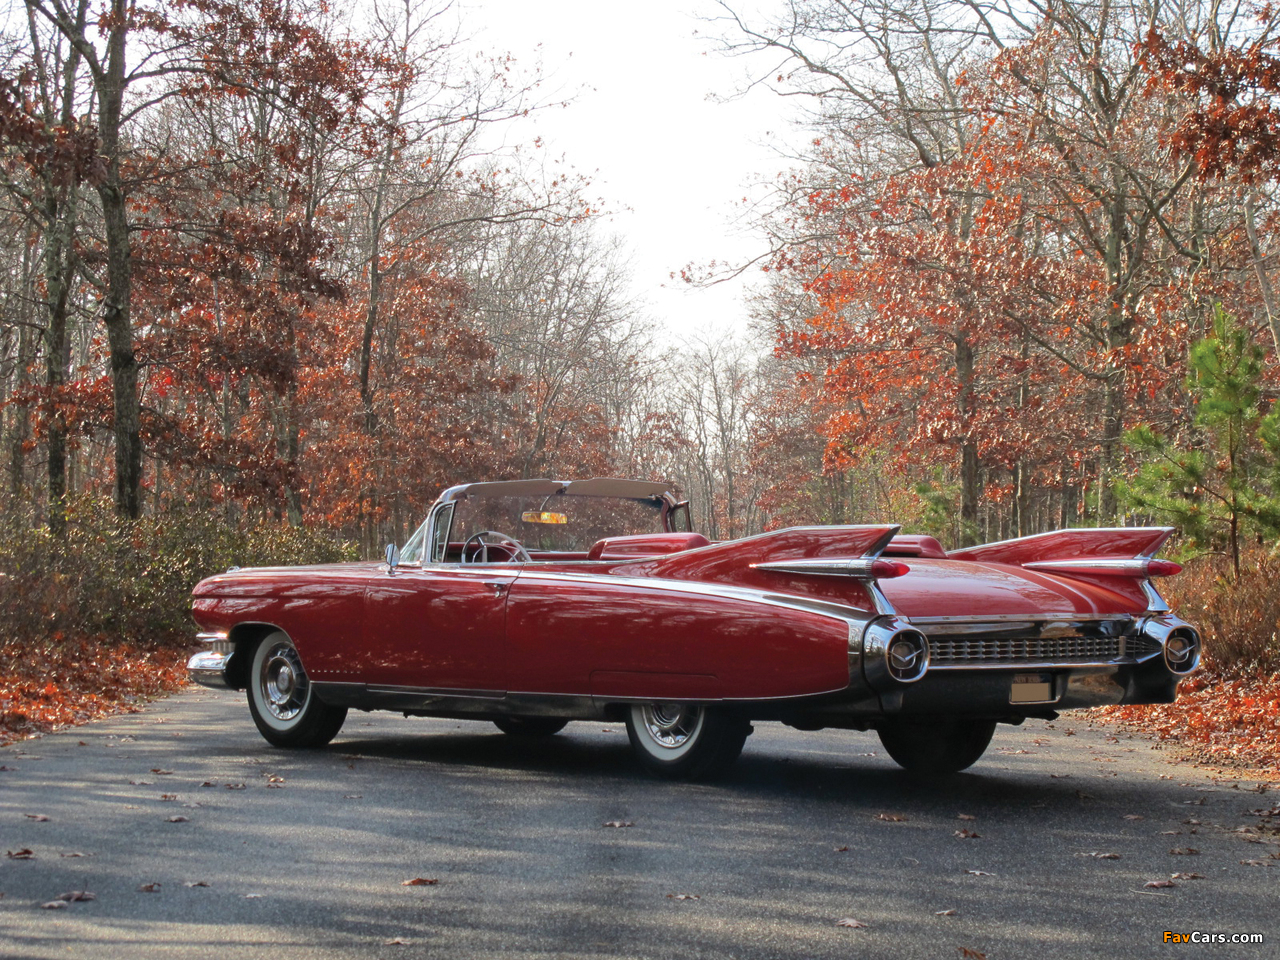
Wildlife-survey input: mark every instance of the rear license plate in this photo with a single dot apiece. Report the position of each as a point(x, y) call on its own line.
point(1031, 688)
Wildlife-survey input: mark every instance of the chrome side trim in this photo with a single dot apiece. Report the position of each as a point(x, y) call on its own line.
point(695, 588)
point(214, 636)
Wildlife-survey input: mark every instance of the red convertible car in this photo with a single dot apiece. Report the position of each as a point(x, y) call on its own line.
point(531, 603)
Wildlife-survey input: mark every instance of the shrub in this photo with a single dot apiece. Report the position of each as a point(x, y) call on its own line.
point(131, 580)
point(1239, 616)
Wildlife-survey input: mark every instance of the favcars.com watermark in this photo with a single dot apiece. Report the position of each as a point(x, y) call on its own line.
point(1197, 936)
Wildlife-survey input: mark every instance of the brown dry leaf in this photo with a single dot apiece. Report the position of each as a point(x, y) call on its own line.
point(54, 905)
point(1101, 856)
point(620, 823)
point(1085, 796)
point(1188, 876)
point(1258, 863)
point(684, 896)
point(420, 882)
point(178, 819)
point(149, 888)
point(1198, 802)
point(850, 922)
point(1159, 884)
point(966, 953)
point(235, 786)
point(396, 942)
point(353, 796)
point(75, 895)
point(168, 796)
point(274, 779)
point(1184, 851)
point(74, 853)
point(161, 773)
point(891, 817)
point(1170, 833)
point(1060, 776)
point(967, 835)
point(195, 883)
point(209, 783)
point(841, 849)
point(979, 873)
point(23, 854)
point(944, 913)
point(965, 816)
point(38, 817)
point(141, 783)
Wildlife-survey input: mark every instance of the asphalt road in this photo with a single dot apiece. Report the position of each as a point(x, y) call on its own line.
point(304, 854)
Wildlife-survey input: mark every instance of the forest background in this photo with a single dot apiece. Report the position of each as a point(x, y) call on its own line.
point(273, 277)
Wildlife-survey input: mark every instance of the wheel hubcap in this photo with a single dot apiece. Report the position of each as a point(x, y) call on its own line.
point(670, 725)
point(284, 685)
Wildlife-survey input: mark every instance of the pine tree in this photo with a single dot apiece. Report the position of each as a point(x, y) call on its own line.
point(1224, 485)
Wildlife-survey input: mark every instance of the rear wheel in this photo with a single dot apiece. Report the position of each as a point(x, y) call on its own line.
point(937, 746)
point(530, 726)
point(281, 700)
point(684, 741)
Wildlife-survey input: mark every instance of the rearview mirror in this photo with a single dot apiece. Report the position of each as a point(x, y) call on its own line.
point(393, 558)
point(543, 516)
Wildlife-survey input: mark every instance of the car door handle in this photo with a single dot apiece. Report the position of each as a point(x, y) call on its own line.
point(499, 587)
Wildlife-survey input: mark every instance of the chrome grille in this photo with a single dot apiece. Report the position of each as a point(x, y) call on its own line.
point(955, 651)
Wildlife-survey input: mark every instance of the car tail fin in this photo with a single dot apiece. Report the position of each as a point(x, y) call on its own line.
point(1115, 551)
point(849, 551)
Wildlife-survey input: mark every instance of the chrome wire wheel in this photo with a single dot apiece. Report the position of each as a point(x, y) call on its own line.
point(672, 726)
point(282, 702)
point(683, 740)
point(284, 684)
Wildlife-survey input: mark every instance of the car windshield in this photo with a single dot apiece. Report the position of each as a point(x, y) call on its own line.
point(556, 523)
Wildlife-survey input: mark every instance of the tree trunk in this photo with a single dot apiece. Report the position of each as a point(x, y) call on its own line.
point(115, 309)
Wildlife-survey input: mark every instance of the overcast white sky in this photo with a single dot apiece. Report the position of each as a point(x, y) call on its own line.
point(644, 127)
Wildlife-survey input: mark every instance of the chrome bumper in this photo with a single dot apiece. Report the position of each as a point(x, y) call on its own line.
point(209, 667)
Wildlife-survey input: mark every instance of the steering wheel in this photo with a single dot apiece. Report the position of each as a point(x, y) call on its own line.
point(508, 543)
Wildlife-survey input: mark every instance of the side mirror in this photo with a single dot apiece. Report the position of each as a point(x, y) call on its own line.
point(393, 558)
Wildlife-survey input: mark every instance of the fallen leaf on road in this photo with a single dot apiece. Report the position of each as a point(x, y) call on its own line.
point(1259, 863)
point(209, 783)
point(1085, 796)
point(850, 922)
point(1060, 776)
point(620, 823)
point(54, 905)
point(396, 942)
point(1100, 856)
point(979, 873)
point(1159, 884)
point(1134, 816)
point(965, 816)
point(841, 849)
point(178, 819)
point(168, 796)
point(149, 888)
point(253, 896)
point(235, 786)
point(75, 895)
point(944, 913)
point(1188, 876)
point(683, 896)
point(1198, 802)
point(966, 953)
point(38, 817)
point(891, 817)
point(195, 883)
point(23, 854)
point(967, 835)
point(1184, 851)
point(161, 773)
point(141, 783)
point(74, 853)
point(353, 796)
point(419, 882)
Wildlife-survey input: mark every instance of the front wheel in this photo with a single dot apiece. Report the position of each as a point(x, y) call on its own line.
point(682, 741)
point(283, 704)
point(938, 746)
